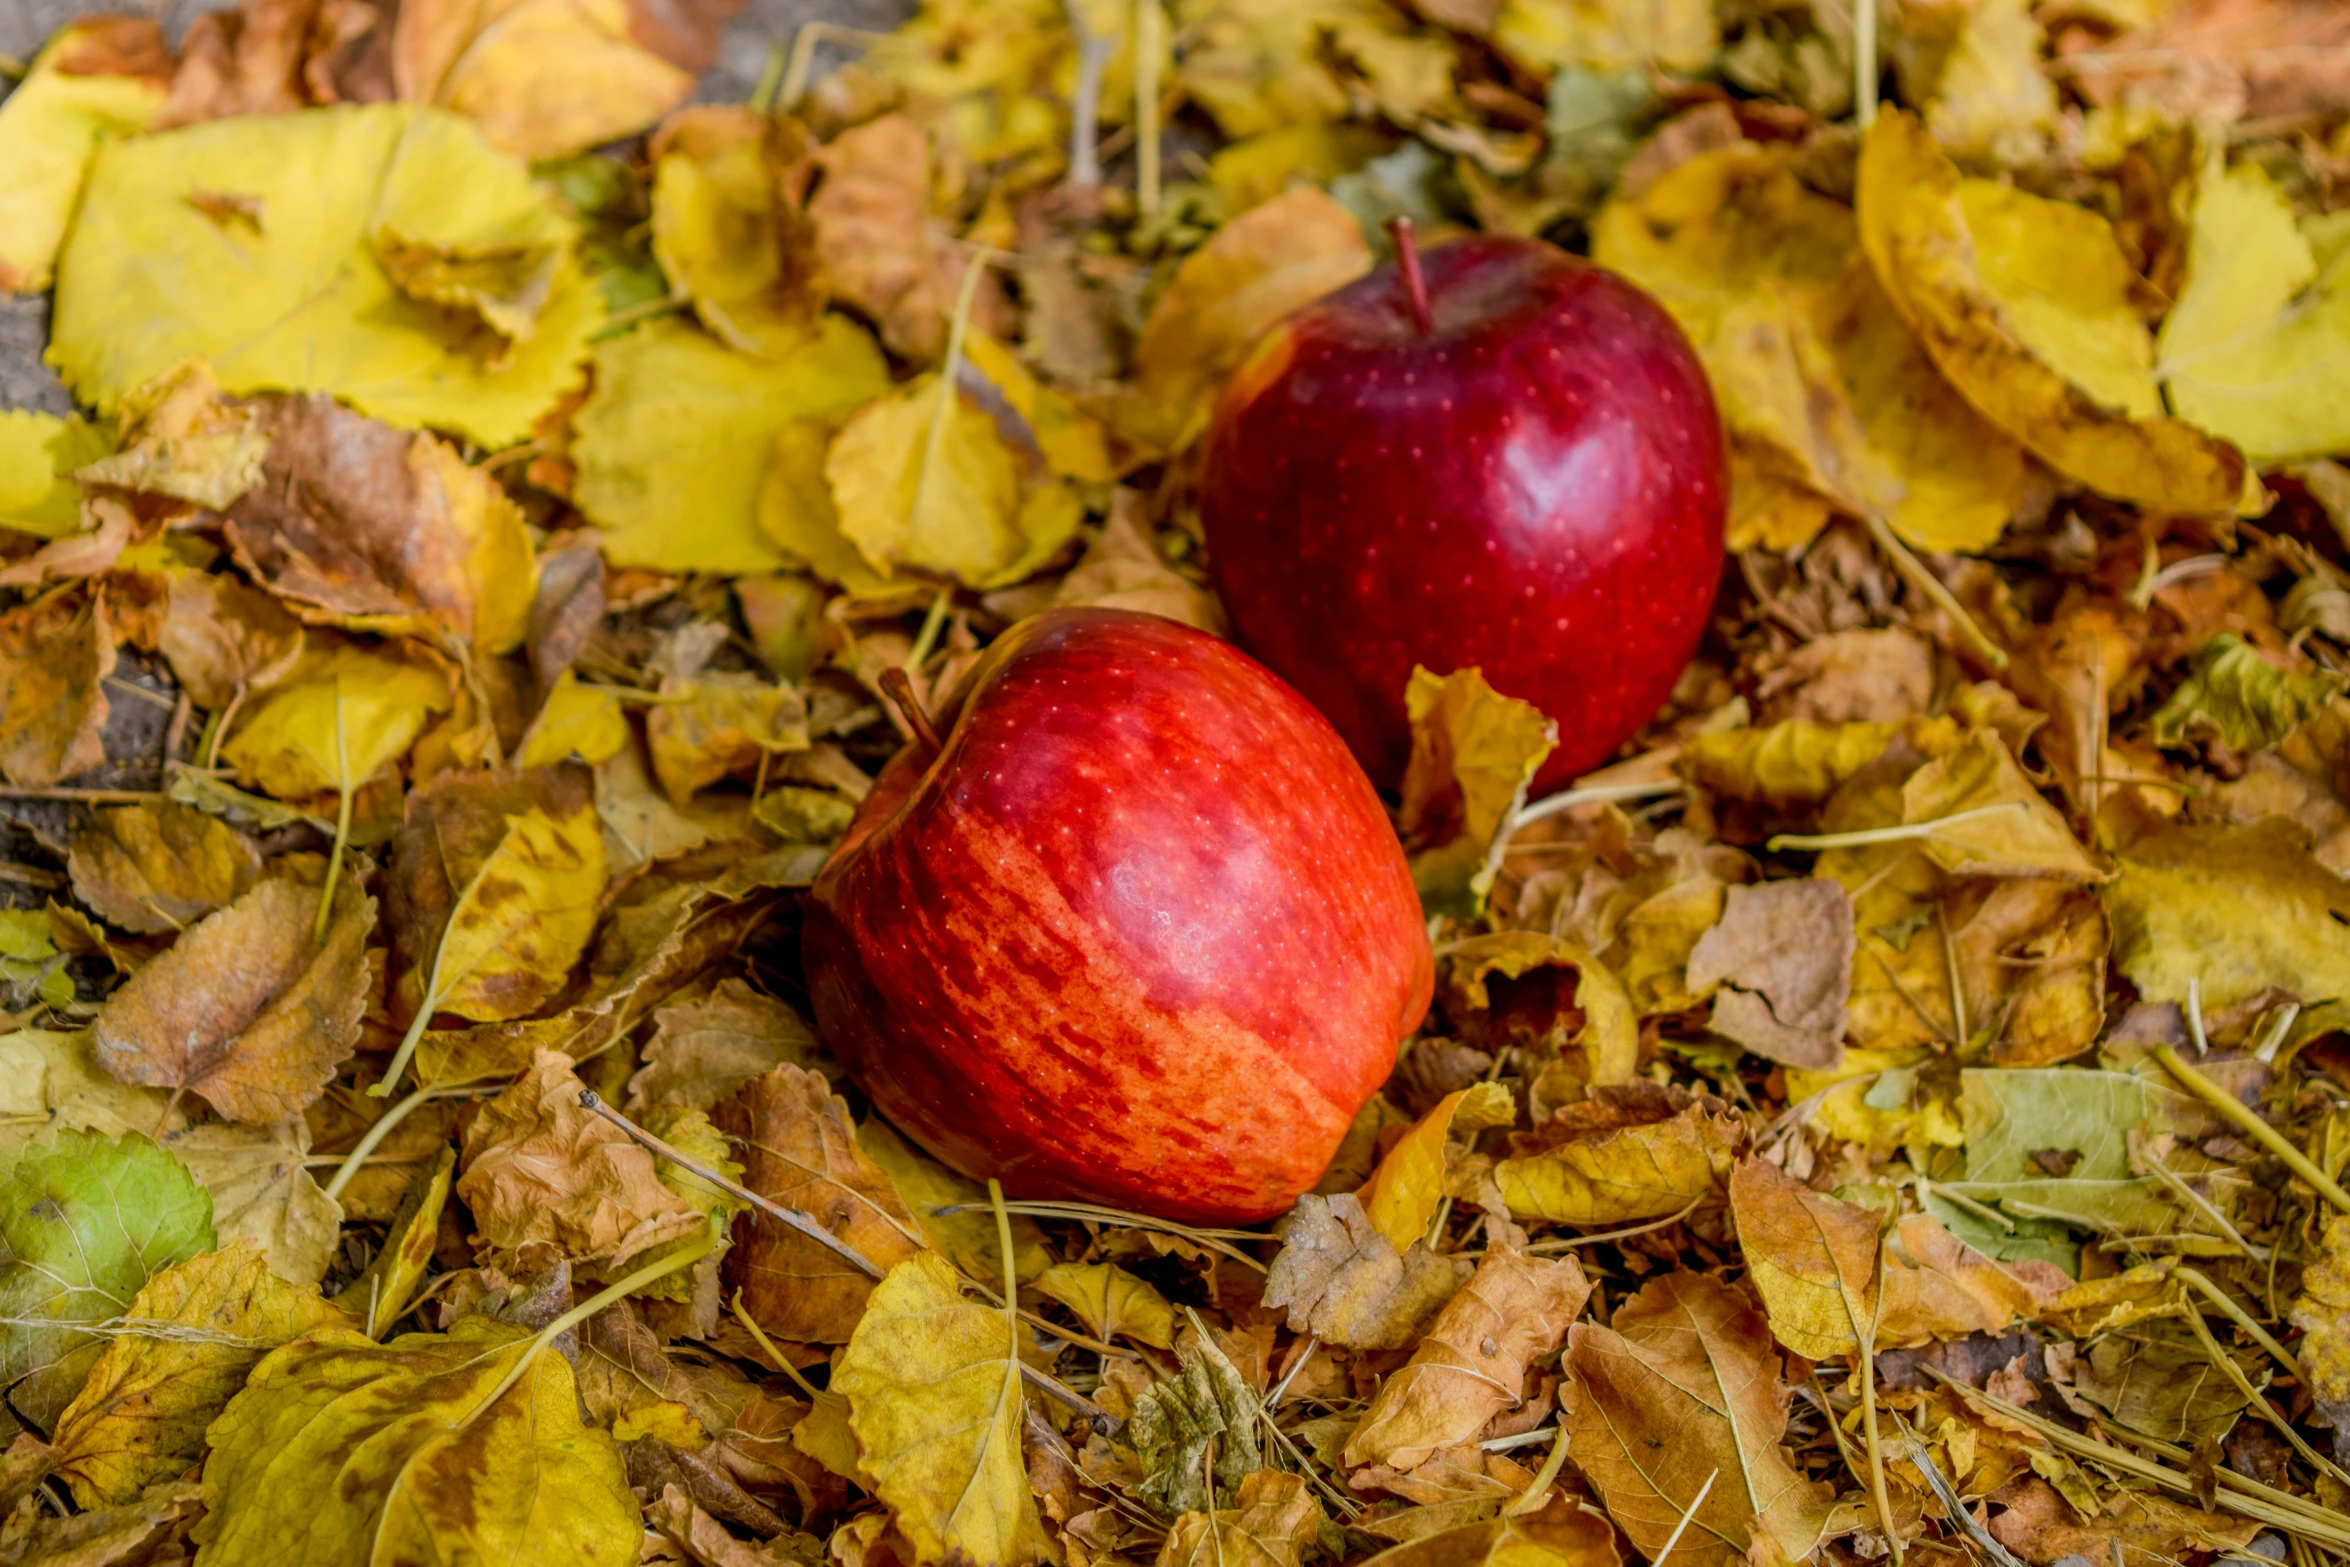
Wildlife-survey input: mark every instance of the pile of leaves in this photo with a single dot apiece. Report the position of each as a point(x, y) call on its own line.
point(1894, 1111)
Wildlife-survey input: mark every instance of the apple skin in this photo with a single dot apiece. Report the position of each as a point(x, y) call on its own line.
point(1140, 933)
point(1535, 487)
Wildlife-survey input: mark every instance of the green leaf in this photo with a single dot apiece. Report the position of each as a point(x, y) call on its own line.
point(1176, 1421)
point(2250, 702)
point(2012, 1115)
point(84, 1223)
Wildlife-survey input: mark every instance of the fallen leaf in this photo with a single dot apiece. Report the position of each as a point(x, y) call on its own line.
point(713, 723)
point(703, 1050)
point(1795, 763)
point(1781, 959)
point(362, 525)
point(968, 1237)
point(247, 1008)
point(548, 77)
point(2024, 304)
point(1682, 1394)
point(39, 454)
point(2223, 60)
point(672, 445)
point(343, 196)
point(263, 1193)
point(388, 1285)
point(1345, 1283)
point(582, 723)
point(1988, 820)
point(2322, 1311)
point(1991, 100)
point(96, 77)
point(1257, 269)
point(220, 634)
point(539, 1169)
point(1474, 1361)
point(933, 1386)
point(1630, 1152)
point(1513, 990)
point(438, 1447)
point(2170, 1390)
point(1111, 1302)
point(342, 715)
point(492, 892)
point(873, 237)
point(2238, 910)
point(277, 58)
point(1474, 755)
point(85, 1222)
point(1403, 1193)
point(800, 1150)
point(139, 1420)
point(1823, 388)
point(51, 1081)
point(182, 438)
point(153, 868)
point(55, 655)
point(2043, 1528)
point(2235, 692)
point(1204, 1409)
point(727, 230)
point(1545, 35)
point(1274, 1521)
point(1122, 568)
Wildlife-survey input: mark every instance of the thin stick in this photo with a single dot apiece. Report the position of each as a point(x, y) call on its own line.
point(789, 1218)
point(1867, 1354)
point(1093, 59)
point(1147, 24)
point(384, 1124)
point(1598, 794)
point(2235, 1374)
point(1617, 1235)
point(1695, 1502)
point(334, 859)
point(1538, 1490)
point(86, 796)
point(1864, 62)
point(2195, 1032)
point(2261, 1132)
point(1914, 572)
point(2195, 1279)
point(2202, 1204)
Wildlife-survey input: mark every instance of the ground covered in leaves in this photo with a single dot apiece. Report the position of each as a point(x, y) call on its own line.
point(454, 631)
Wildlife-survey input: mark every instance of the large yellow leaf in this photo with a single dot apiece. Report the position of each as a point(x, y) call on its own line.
point(38, 455)
point(1111, 1302)
point(2256, 348)
point(2025, 305)
point(140, 1418)
point(1822, 385)
point(346, 1452)
point(294, 743)
point(1404, 1192)
point(673, 443)
point(396, 261)
point(98, 77)
point(933, 1384)
point(2236, 910)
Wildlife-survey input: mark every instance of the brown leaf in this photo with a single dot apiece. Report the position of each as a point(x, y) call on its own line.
point(2223, 60)
point(538, 1168)
point(153, 868)
point(359, 524)
point(872, 216)
point(1684, 1389)
point(1273, 1525)
point(151, 1529)
point(1782, 957)
point(1343, 1282)
point(277, 56)
point(55, 654)
point(246, 1009)
point(220, 634)
point(800, 1149)
point(1474, 1362)
point(706, 1542)
point(2042, 1528)
point(566, 608)
point(1845, 677)
point(703, 1050)
point(1562, 1533)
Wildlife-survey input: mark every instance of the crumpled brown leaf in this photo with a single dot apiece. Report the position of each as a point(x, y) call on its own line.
point(55, 654)
point(1474, 1361)
point(2040, 1526)
point(279, 56)
point(245, 1008)
point(2322, 1312)
point(540, 1169)
point(1684, 1389)
point(873, 238)
point(1782, 961)
point(1273, 1523)
point(154, 867)
point(703, 1050)
point(137, 1531)
point(800, 1150)
point(728, 228)
point(1631, 1151)
point(1343, 1281)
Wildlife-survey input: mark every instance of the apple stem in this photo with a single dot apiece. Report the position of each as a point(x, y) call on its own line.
point(899, 687)
point(1415, 286)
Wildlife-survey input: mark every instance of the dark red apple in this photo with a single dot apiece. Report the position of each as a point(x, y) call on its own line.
point(1138, 932)
point(1522, 471)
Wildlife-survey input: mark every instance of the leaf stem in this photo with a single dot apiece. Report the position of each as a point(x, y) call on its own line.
point(2252, 1396)
point(2195, 1279)
point(1864, 62)
point(1914, 572)
point(1864, 837)
point(2267, 1136)
point(383, 1127)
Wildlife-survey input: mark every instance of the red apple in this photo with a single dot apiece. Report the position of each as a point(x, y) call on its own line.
point(1138, 932)
point(1517, 466)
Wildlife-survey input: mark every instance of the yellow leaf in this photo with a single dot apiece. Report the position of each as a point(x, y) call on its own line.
point(1257, 65)
point(544, 77)
point(262, 1191)
point(2252, 351)
point(1257, 168)
point(933, 1384)
point(2237, 693)
point(140, 1418)
point(1259, 267)
point(588, 722)
point(672, 445)
point(1607, 35)
point(287, 745)
point(2025, 305)
point(967, 1238)
point(795, 511)
point(1276, 1521)
point(98, 77)
point(2240, 910)
point(38, 455)
point(1797, 762)
point(939, 489)
point(726, 234)
point(1402, 1195)
point(385, 1288)
point(306, 298)
point(493, 891)
point(1992, 98)
point(1110, 1302)
point(718, 724)
point(180, 437)
point(1474, 754)
point(1074, 445)
point(150, 868)
point(418, 1449)
point(2007, 829)
point(665, 1420)
point(2322, 1312)
point(1563, 1533)
point(1502, 990)
point(1632, 1152)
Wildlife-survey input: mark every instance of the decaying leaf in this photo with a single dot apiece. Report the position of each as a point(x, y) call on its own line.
point(799, 1149)
point(933, 1386)
point(153, 868)
point(2237, 910)
point(1782, 960)
point(387, 1286)
point(1274, 1521)
point(952, 1209)
point(1474, 1360)
point(2242, 697)
point(1630, 1152)
point(703, 1050)
point(727, 230)
point(2322, 1312)
point(1545, 995)
point(55, 654)
point(437, 1447)
point(1345, 1283)
point(262, 1193)
point(1474, 755)
point(1205, 1409)
point(873, 236)
point(246, 1008)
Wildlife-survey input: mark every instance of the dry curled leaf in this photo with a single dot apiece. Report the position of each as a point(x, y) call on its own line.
point(153, 868)
point(1782, 961)
point(703, 1050)
point(1274, 1521)
point(55, 654)
point(1344, 1282)
point(1630, 1152)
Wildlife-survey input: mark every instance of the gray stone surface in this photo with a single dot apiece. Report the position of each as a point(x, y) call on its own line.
point(763, 26)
